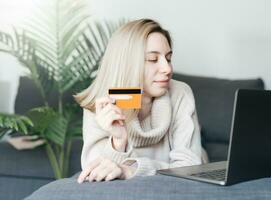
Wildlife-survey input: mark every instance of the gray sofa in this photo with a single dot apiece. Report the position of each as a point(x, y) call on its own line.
point(23, 172)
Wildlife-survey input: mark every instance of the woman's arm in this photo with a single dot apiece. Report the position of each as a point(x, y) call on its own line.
point(98, 143)
point(185, 140)
point(186, 151)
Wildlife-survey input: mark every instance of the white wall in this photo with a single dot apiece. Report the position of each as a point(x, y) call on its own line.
point(12, 12)
point(10, 70)
point(221, 38)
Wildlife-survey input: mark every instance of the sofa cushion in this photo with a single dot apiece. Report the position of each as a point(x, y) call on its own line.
point(151, 187)
point(214, 101)
point(33, 163)
point(28, 97)
point(28, 163)
point(17, 188)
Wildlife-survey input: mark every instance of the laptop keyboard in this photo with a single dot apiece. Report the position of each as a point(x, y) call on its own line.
point(219, 174)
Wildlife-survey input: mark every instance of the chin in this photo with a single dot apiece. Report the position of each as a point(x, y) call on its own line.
point(159, 92)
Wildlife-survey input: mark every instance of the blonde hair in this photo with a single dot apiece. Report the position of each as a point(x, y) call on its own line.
point(123, 62)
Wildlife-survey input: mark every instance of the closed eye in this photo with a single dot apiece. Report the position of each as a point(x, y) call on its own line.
point(153, 61)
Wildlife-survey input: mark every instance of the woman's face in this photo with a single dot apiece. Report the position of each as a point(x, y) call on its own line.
point(158, 68)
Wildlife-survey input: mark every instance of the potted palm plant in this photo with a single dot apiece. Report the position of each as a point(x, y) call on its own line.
point(62, 48)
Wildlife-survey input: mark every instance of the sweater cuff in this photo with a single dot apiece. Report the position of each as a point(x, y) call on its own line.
point(145, 166)
point(114, 155)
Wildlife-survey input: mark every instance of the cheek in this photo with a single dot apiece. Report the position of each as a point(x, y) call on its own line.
point(147, 83)
point(149, 73)
point(148, 79)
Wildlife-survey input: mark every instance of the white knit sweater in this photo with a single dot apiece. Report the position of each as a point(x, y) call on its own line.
point(168, 137)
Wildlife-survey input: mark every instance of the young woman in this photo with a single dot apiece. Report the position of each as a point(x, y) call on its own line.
point(164, 133)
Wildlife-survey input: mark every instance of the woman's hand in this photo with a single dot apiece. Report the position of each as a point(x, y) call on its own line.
point(105, 169)
point(110, 118)
point(25, 142)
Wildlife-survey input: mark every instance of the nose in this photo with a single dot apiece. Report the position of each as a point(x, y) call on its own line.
point(165, 66)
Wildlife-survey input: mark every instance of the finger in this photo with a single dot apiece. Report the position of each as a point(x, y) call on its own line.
point(29, 137)
point(29, 144)
point(117, 109)
point(104, 111)
point(114, 107)
point(32, 144)
point(104, 172)
point(103, 121)
point(101, 102)
point(114, 117)
point(95, 174)
point(112, 113)
point(112, 100)
point(87, 171)
point(38, 143)
point(110, 107)
point(111, 110)
point(116, 173)
point(105, 99)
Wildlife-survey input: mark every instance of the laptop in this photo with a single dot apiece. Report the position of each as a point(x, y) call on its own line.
point(249, 154)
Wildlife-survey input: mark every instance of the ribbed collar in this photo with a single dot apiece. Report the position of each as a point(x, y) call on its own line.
point(153, 128)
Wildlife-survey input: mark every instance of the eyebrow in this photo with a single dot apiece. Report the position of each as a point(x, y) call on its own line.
point(157, 52)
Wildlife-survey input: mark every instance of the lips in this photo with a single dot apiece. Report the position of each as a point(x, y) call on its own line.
point(163, 81)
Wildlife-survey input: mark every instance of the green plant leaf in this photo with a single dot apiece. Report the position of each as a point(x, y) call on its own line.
point(56, 130)
point(62, 47)
point(41, 118)
point(14, 123)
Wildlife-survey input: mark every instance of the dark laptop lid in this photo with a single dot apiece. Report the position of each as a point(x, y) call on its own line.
point(250, 143)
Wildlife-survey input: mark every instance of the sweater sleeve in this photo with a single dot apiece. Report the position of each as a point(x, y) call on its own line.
point(98, 142)
point(185, 140)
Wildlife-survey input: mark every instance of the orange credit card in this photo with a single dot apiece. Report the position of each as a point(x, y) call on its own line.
point(126, 98)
